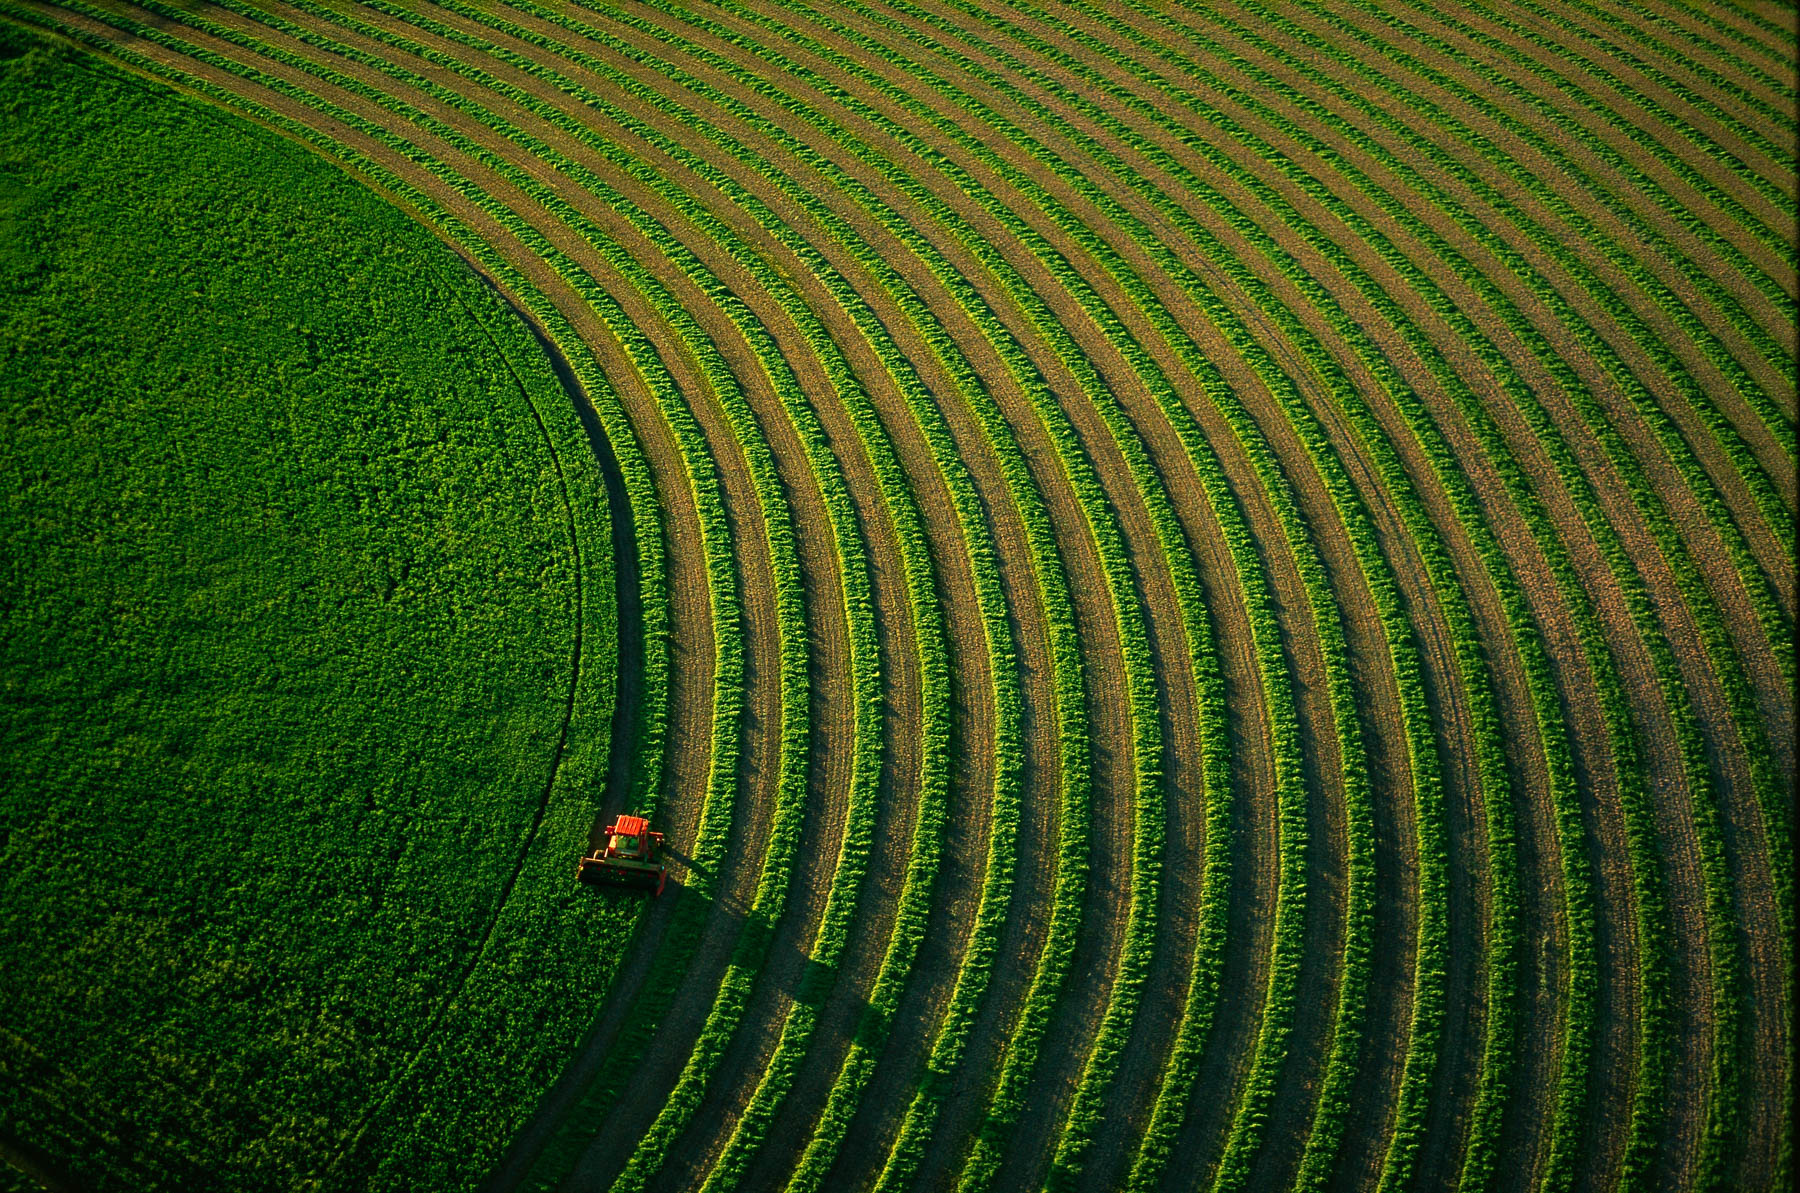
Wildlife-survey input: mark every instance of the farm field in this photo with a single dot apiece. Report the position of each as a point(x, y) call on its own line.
point(1205, 594)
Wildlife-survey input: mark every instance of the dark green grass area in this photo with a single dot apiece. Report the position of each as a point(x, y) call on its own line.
point(307, 659)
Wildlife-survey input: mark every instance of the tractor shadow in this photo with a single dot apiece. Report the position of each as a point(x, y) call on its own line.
point(729, 921)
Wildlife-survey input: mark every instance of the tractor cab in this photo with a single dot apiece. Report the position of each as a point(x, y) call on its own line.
point(629, 858)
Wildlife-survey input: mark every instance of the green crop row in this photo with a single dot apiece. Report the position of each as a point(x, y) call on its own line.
point(1772, 617)
point(1166, 1114)
point(1643, 857)
point(1574, 1026)
point(1724, 657)
point(1774, 620)
point(1579, 1026)
point(1008, 134)
point(1638, 29)
point(1085, 1112)
point(1770, 237)
point(725, 608)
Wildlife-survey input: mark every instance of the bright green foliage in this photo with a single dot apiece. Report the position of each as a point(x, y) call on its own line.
point(308, 661)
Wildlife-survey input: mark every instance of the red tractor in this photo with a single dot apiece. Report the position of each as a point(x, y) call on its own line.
point(629, 858)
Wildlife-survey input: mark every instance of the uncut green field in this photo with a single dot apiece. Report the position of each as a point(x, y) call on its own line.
point(1206, 597)
point(308, 656)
